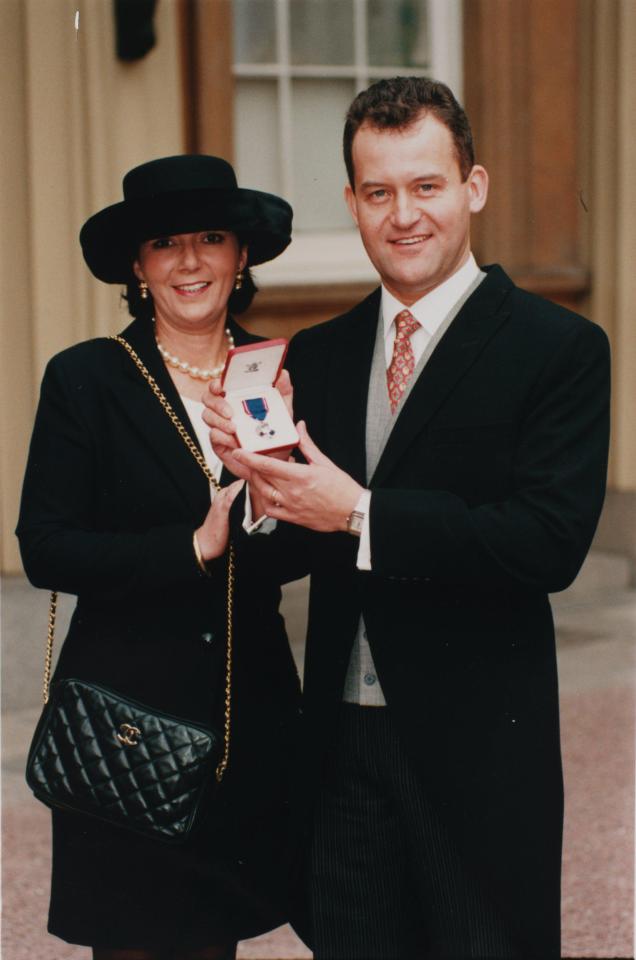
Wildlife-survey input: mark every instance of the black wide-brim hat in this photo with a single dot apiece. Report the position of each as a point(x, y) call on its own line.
point(182, 194)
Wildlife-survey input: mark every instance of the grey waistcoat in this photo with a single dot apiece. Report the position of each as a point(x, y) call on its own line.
point(361, 683)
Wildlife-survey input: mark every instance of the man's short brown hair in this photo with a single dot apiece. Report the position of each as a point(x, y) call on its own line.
point(397, 103)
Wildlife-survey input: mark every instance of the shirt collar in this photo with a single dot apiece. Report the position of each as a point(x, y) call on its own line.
point(431, 309)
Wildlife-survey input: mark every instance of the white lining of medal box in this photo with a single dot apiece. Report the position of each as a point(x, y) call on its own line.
point(241, 383)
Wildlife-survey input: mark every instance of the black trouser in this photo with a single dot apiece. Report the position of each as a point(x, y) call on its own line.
point(386, 879)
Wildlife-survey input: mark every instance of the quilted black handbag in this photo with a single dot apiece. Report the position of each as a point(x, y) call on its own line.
point(99, 753)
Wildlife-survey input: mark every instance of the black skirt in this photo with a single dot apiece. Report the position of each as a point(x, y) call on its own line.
point(113, 888)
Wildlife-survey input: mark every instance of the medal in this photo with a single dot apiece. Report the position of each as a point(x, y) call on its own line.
point(257, 408)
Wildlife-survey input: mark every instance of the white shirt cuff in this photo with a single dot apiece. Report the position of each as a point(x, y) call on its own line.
point(363, 561)
point(264, 524)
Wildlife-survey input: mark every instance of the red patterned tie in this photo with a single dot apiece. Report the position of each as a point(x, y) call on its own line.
point(403, 361)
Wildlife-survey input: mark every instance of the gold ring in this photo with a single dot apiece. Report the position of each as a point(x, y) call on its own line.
point(275, 497)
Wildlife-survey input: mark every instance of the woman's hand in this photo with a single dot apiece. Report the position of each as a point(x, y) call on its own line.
point(218, 416)
point(213, 534)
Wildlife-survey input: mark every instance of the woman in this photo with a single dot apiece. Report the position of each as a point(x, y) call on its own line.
point(116, 510)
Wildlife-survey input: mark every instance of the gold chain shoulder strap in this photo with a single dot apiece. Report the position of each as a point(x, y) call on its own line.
point(196, 453)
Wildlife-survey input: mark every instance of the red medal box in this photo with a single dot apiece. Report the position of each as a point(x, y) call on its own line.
point(262, 421)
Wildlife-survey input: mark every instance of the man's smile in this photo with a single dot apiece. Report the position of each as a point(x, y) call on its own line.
point(410, 241)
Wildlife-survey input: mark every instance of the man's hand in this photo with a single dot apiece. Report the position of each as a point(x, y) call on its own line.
point(218, 416)
point(318, 494)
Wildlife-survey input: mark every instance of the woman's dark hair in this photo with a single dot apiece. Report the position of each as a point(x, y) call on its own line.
point(141, 309)
point(399, 102)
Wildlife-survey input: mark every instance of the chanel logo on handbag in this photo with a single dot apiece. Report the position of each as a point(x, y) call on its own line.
point(129, 735)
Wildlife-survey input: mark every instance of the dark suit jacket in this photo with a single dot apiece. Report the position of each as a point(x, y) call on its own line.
point(110, 502)
point(484, 501)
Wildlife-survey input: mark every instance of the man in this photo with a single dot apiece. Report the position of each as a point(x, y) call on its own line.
point(454, 479)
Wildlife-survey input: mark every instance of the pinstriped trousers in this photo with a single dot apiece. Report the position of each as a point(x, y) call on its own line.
point(385, 879)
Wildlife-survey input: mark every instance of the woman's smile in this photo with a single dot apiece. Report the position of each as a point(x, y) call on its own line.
point(191, 289)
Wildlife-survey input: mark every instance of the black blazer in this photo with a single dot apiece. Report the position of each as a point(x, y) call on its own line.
point(110, 502)
point(484, 501)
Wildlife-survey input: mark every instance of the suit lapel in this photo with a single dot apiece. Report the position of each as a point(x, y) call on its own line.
point(477, 321)
point(152, 424)
point(347, 387)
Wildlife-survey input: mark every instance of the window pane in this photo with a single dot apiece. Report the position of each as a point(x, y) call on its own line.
point(256, 146)
point(321, 31)
point(254, 31)
point(397, 33)
point(318, 111)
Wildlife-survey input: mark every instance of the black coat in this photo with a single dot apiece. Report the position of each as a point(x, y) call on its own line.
point(485, 500)
point(110, 502)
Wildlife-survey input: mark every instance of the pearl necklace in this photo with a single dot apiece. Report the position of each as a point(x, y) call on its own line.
point(195, 372)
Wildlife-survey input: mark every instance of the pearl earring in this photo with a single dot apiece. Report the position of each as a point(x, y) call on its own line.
point(143, 289)
point(239, 280)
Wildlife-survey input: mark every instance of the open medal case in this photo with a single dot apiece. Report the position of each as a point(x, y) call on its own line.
point(262, 421)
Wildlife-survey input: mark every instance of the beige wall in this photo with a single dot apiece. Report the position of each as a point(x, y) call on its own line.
point(611, 201)
point(73, 120)
point(609, 108)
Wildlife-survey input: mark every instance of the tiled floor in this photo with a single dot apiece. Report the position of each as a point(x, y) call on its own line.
point(596, 628)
